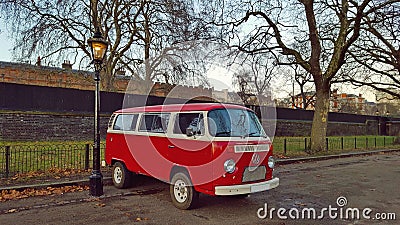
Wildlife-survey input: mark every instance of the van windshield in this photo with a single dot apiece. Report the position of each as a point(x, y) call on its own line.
point(234, 123)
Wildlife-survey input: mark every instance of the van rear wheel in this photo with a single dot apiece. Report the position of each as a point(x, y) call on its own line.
point(121, 175)
point(182, 192)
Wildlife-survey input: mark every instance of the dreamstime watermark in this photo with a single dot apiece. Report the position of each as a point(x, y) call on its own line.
point(340, 211)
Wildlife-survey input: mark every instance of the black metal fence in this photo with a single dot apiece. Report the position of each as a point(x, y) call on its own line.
point(21, 159)
point(290, 145)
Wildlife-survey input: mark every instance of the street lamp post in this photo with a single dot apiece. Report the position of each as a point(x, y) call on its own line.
point(98, 48)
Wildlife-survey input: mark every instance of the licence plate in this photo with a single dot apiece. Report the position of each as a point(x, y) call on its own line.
point(258, 188)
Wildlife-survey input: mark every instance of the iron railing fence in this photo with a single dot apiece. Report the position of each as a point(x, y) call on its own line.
point(287, 145)
point(21, 159)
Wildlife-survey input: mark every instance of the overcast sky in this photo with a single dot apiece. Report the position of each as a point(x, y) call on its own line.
point(5, 54)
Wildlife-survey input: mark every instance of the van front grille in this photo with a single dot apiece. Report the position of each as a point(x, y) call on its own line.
point(254, 173)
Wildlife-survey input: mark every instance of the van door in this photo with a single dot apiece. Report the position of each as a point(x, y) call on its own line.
point(193, 152)
point(150, 146)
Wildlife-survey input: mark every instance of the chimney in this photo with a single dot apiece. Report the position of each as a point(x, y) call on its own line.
point(38, 61)
point(67, 65)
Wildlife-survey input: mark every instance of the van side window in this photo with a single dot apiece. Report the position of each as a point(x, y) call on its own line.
point(156, 123)
point(126, 122)
point(189, 120)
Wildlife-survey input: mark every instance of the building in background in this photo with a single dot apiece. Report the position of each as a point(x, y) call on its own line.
point(347, 103)
point(66, 77)
point(304, 100)
point(339, 102)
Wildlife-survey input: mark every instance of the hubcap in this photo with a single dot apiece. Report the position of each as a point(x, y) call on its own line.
point(117, 175)
point(180, 191)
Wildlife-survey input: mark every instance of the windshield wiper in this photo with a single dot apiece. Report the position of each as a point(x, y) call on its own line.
point(249, 134)
point(227, 133)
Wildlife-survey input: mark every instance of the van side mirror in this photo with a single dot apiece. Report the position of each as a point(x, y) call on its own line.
point(189, 132)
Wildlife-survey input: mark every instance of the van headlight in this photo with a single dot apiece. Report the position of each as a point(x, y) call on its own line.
point(229, 166)
point(271, 162)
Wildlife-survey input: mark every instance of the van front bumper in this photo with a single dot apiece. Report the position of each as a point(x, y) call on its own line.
point(247, 188)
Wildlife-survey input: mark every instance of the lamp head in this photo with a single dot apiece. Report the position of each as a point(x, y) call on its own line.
point(98, 47)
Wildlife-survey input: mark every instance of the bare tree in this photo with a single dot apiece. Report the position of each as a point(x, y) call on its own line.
point(169, 39)
point(254, 80)
point(139, 32)
point(303, 79)
point(313, 34)
point(241, 81)
point(377, 53)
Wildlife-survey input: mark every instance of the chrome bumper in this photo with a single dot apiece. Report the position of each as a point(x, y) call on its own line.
point(247, 188)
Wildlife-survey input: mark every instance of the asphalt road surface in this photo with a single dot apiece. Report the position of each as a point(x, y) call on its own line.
point(334, 188)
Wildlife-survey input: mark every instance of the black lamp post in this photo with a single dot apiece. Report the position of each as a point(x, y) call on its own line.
point(98, 47)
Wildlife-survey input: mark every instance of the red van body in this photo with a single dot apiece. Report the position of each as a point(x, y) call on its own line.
point(212, 148)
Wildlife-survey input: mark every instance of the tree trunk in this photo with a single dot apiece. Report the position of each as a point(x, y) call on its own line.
point(107, 78)
point(320, 120)
point(147, 61)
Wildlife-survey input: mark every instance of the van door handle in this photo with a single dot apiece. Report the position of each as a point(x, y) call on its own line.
point(171, 146)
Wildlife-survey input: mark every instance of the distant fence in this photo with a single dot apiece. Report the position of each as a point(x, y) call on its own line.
point(22, 159)
point(289, 145)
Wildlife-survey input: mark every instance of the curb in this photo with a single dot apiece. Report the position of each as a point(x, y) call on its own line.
point(327, 157)
point(108, 180)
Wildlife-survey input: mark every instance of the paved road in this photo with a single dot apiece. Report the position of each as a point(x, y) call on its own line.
point(366, 182)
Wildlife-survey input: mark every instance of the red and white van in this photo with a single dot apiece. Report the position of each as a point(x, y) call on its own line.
point(210, 148)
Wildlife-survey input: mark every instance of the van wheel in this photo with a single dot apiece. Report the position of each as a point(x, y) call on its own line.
point(121, 176)
point(183, 195)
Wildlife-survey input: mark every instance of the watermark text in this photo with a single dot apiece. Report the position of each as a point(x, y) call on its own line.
point(339, 211)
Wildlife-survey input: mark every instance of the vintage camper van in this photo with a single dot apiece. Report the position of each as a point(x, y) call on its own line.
point(210, 148)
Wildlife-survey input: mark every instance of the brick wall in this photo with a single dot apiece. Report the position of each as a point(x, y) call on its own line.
point(35, 126)
point(20, 73)
point(45, 76)
point(18, 125)
point(393, 128)
point(300, 128)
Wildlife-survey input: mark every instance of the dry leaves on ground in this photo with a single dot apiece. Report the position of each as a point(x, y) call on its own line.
point(55, 172)
point(6, 195)
point(280, 156)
